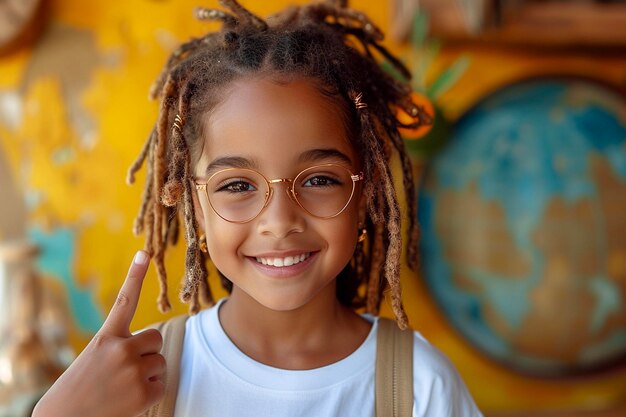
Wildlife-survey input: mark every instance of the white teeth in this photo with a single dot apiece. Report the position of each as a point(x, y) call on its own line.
point(280, 262)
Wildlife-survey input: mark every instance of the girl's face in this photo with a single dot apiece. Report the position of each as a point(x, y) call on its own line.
point(278, 129)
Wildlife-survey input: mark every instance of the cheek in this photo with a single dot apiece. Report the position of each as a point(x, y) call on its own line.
point(223, 238)
point(343, 234)
point(223, 244)
point(347, 232)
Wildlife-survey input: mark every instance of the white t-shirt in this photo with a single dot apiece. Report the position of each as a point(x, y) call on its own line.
point(217, 379)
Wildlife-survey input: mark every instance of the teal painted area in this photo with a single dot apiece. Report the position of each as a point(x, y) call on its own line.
point(497, 295)
point(58, 253)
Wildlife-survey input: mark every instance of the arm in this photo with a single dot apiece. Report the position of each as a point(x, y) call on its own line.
point(118, 374)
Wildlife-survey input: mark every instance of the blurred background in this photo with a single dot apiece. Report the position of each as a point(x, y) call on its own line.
point(522, 187)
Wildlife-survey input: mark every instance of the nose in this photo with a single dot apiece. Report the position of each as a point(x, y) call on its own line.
point(282, 215)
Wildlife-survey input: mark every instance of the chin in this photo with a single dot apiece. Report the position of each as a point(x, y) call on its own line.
point(282, 305)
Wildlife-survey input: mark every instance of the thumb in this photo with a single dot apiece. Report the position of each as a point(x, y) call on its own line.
point(118, 321)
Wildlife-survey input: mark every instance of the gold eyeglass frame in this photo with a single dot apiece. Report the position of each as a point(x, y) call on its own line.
point(290, 190)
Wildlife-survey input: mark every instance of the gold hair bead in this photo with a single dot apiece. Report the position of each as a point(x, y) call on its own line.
point(208, 14)
point(359, 104)
point(202, 13)
point(178, 123)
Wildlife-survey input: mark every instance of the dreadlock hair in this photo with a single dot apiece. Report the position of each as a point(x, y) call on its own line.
point(327, 42)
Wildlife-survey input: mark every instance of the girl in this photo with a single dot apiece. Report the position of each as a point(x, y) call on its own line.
point(273, 144)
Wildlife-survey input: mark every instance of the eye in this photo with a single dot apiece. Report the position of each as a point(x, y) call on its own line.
point(321, 180)
point(236, 186)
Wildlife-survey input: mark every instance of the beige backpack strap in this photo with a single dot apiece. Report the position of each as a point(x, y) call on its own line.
point(173, 332)
point(394, 370)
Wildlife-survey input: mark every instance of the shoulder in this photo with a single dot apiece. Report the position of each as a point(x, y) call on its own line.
point(428, 361)
point(437, 386)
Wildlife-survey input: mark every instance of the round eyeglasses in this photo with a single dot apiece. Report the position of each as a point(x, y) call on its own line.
point(239, 195)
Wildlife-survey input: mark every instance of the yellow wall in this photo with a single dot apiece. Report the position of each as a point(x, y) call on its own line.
point(83, 115)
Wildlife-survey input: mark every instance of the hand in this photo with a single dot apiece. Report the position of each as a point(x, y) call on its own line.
point(118, 374)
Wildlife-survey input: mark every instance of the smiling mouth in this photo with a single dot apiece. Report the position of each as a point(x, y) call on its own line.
point(282, 262)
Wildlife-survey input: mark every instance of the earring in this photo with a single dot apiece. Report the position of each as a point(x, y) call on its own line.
point(362, 235)
point(202, 243)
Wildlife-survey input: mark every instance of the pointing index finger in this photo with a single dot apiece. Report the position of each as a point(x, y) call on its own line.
point(122, 312)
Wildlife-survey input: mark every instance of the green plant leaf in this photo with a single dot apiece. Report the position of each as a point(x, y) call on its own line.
point(391, 70)
point(421, 61)
point(448, 77)
point(419, 31)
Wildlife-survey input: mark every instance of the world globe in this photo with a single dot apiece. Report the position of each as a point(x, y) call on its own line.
point(523, 217)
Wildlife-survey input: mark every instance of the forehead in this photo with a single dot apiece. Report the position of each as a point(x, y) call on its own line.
point(273, 123)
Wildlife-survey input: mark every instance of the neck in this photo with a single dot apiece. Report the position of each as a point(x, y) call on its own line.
point(316, 334)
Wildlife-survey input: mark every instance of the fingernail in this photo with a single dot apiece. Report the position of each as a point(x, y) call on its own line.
point(141, 258)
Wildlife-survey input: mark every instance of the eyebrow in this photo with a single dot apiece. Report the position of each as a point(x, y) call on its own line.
point(230, 162)
point(315, 155)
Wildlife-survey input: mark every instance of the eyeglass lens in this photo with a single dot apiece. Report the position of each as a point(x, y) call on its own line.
point(239, 195)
